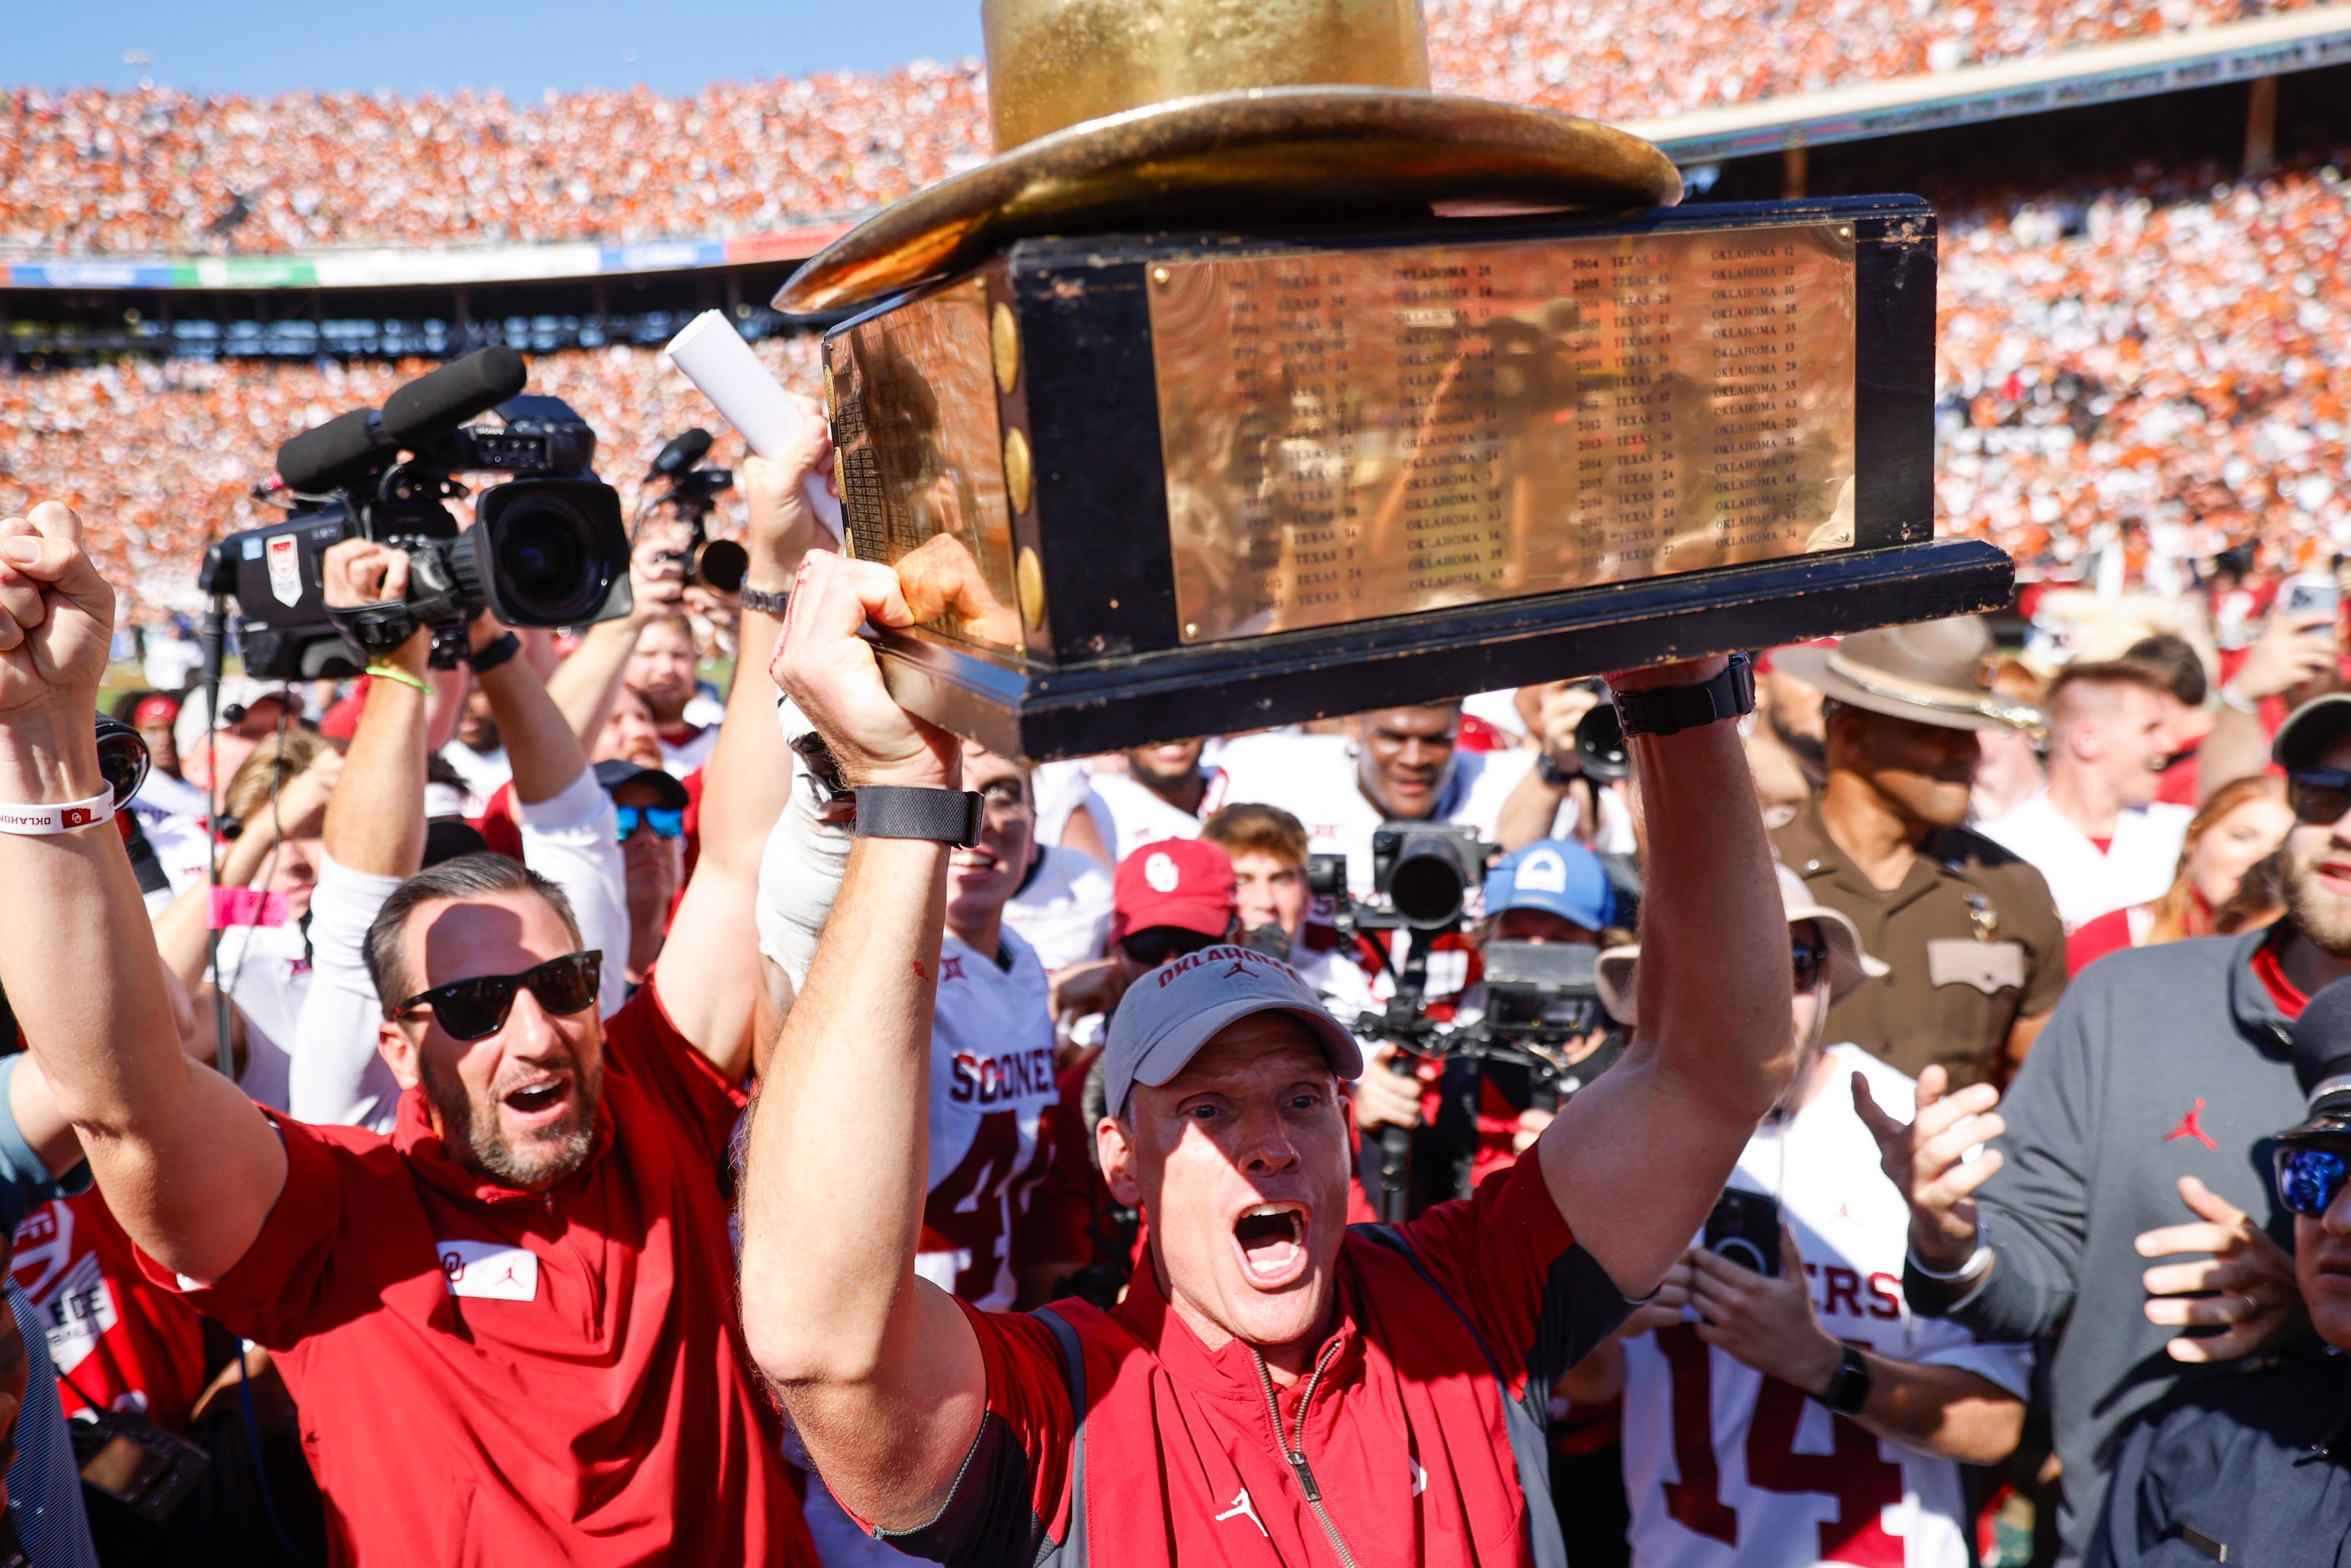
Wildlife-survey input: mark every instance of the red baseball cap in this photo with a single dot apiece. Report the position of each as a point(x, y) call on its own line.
point(155, 707)
point(1182, 883)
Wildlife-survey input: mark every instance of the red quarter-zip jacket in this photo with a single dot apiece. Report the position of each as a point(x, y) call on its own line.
point(1399, 1428)
point(511, 1379)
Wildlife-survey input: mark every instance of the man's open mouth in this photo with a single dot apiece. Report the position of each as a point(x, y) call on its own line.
point(1272, 1239)
point(536, 1102)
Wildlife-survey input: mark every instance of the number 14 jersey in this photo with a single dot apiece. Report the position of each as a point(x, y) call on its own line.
point(1724, 1466)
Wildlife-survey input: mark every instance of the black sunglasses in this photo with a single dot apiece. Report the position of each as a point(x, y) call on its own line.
point(1154, 945)
point(471, 1009)
point(2308, 1178)
point(1809, 963)
point(2319, 796)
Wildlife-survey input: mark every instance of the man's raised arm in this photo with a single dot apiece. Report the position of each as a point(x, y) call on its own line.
point(879, 1371)
point(1636, 1160)
point(187, 1163)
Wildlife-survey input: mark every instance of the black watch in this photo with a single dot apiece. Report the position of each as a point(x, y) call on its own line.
point(1848, 1388)
point(900, 812)
point(493, 652)
point(1669, 710)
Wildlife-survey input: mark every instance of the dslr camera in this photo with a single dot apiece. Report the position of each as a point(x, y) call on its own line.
point(548, 548)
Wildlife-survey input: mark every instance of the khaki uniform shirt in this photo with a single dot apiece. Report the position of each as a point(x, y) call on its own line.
point(1971, 936)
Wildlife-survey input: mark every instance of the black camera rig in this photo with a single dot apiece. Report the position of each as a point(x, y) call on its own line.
point(693, 495)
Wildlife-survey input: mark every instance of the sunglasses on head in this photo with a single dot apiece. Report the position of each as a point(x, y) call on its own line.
point(667, 821)
point(1808, 962)
point(1155, 946)
point(2319, 796)
point(2308, 1178)
point(472, 1009)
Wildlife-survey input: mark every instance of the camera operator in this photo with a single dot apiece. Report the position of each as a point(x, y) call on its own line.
point(1753, 1329)
point(1276, 1379)
point(510, 1327)
point(1558, 799)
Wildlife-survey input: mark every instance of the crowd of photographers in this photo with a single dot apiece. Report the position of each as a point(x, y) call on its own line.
point(1376, 1141)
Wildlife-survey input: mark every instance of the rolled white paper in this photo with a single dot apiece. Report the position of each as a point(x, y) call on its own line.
point(723, 368)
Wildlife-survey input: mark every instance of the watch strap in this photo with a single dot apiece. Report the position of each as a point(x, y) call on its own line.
point(1669, 710)
point(766, 600)
point(375, 628)
point(493, 652)
point(1848, 1388)
point(900, 812)
point(65, 817)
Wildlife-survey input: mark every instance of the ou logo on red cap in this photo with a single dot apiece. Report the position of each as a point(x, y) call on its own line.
point(1160, 871)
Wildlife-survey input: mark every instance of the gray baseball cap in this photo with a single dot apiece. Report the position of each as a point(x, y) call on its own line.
point(1169, 1013)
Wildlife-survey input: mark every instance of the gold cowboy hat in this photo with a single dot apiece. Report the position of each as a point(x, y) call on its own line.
point(1937, 673)
point(1168, 113)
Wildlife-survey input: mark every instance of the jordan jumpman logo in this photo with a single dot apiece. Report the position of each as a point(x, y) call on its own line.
point(1242, 1506)
point(2191, 1125)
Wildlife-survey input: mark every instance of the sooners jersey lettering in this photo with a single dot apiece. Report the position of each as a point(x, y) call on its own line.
point(991, 1086)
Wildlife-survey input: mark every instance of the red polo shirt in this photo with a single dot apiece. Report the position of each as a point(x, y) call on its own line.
point(574, 1387)
point(1403, 1434)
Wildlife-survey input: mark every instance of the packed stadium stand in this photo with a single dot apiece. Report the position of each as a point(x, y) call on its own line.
point(2144, 329)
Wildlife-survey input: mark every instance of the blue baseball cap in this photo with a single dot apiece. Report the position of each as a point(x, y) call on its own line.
point(1556, 876)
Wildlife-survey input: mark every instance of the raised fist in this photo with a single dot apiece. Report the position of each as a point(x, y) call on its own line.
point(56, 617)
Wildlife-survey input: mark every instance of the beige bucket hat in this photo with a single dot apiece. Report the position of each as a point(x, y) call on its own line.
point(1850, 969)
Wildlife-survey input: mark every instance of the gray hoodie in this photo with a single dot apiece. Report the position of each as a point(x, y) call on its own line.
point(2158, 1063)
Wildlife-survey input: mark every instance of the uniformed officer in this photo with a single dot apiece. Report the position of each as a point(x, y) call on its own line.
point(1977, 950)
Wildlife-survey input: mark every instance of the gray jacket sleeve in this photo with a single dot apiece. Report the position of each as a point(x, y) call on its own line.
point(2034, 1211)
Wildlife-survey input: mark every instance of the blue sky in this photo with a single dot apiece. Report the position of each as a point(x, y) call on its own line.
point(522, 45)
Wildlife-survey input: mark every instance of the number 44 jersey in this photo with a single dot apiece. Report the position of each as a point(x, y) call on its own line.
point(991, 1087)
point(1724, 1466)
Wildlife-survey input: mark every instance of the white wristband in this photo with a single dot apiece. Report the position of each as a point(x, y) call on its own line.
point(2238, 700)
point(70, 817)
point(1977, 1261)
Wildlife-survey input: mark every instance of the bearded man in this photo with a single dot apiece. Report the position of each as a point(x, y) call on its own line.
point(2158, 1075)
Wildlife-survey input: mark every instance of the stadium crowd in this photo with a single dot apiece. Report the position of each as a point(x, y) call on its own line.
point(385, 1202)
point(158, 171)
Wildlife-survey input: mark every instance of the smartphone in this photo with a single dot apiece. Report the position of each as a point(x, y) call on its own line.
point(2311, 593)
point(1745, 1229)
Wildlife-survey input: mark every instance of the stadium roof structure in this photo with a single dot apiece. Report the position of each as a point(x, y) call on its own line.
point(2170, 62)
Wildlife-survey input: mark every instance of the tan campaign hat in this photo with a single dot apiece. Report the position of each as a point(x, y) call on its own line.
point(1850, 969)
point(1939, 673)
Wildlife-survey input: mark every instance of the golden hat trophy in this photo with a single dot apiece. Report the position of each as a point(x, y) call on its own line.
point(1251, 381)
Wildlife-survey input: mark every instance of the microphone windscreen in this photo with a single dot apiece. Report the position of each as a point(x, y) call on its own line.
point(455, 393)
point(330, 455)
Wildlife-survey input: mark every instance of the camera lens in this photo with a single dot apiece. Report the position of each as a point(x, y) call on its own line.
point(543, 557)
point(1427, 887)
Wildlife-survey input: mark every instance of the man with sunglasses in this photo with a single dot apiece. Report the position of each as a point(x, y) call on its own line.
point(1272, 1387)
point(649, 806)
point(2162, 1073)
point(510, 1325)
point(2257, 1468)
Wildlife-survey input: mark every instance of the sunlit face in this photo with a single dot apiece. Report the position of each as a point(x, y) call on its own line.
point(654, 865)
point(982, 879)
point(1269, 890)
point(2318, 871)
point(2322, 1267)
point(1405, 754)
point(519, 1105)
point(1926, 770)
point(292, 869)
point(1539, 926)
point(661, 670)
point(629, 732)
point(1794, 708)
point(2231, 846)
point(1165, 764)
point(1240, 1163)
point(1808, 1011)
point(477, 726)
point(2133, 742)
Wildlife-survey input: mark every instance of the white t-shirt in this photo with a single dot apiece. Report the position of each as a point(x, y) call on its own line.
point(1314, 777)
point(482, 773)
point(991, 1084)
point(266, 971)
point(2137, 867)
point(1064, 910)
point(683, 757)
point(1138, 816)
point(1776, 1480)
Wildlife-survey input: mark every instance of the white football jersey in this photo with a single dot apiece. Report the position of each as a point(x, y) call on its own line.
point(1064, 910)
point(1138, 817)
point(991, 1084)
point(1723, 1466)
point(1312, 777)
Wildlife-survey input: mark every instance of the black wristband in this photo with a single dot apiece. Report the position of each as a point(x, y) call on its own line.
point(374, 628)
point(766, 600)
point(1669, 710)
point(1552, 773)
point(1848, 1388)
point(900, 812)
point(493, 652)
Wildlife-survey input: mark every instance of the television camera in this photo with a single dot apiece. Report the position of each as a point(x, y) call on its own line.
point(548, 546)
point(693, 495)
point(1541, 997)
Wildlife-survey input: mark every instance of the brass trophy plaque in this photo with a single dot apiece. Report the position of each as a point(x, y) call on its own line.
point(1355, 435)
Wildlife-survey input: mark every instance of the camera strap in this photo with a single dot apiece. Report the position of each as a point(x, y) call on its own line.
point(67, 817)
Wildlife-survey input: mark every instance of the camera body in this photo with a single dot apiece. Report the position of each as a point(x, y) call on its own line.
point(1541, 991)
point(548, 546)
point(693, 492)
point(1425, 870)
